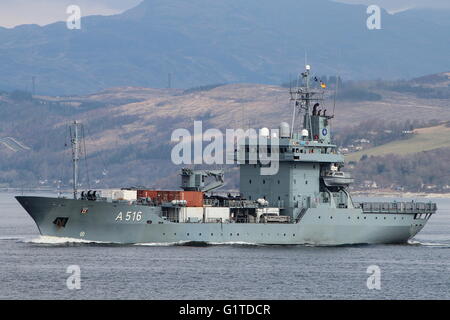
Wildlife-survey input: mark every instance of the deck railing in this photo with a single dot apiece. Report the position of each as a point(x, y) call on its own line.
point(240, 203)
point(397, 207)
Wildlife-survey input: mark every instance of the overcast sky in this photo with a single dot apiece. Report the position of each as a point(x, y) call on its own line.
point(15, 12)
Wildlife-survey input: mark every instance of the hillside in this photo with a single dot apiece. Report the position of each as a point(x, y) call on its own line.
point(225, 41)
point(423, 139)
point(128, 129)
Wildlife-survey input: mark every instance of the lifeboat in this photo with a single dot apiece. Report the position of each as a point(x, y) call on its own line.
point(337, 179)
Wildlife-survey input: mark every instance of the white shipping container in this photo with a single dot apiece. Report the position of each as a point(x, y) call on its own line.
point(215, 213)
point(117, 194)
point(129, 195)
point(190, 212)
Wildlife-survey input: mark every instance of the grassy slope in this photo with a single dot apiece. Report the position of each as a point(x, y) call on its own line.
point(423, 140)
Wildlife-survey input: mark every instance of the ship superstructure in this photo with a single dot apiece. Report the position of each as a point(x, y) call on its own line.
point(305, 201)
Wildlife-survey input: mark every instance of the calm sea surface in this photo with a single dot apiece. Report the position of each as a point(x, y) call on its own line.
point(33, 267)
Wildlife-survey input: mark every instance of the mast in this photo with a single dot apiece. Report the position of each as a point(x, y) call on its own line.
point(303, 95)
point(74, 139)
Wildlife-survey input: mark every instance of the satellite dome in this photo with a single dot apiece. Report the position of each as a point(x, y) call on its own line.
point(264, 132)
point(305, 133)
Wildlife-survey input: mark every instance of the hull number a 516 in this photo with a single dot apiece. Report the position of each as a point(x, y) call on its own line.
point(129, 216)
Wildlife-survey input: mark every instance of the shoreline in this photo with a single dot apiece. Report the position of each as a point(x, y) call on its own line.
point(397, 194)
point(363, 193)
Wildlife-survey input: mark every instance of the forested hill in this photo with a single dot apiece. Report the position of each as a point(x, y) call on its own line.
point(128, 129)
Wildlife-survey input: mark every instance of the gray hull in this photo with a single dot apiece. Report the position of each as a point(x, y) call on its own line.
point(318, 226)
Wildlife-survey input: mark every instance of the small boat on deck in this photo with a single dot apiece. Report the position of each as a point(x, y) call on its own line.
point(337, 179)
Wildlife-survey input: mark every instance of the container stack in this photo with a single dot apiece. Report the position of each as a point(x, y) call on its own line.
point(192, 198)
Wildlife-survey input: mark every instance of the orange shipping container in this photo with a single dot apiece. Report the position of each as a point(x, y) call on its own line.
point(193, 198)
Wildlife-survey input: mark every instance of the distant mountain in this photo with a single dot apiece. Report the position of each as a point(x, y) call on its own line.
point(223, 41)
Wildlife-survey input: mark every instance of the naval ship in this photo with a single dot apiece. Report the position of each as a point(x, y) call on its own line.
point(307, 201)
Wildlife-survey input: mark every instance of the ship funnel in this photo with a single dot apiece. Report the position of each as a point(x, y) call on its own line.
point(285, 131)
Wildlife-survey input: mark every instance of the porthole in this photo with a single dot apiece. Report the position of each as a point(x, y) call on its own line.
point(212, 234)
point(188, 234)
point(199, 234)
